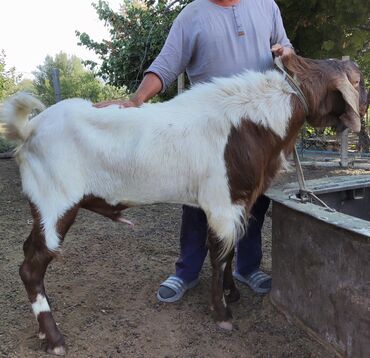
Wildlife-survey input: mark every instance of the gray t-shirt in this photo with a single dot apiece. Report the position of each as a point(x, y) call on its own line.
point(207, 40)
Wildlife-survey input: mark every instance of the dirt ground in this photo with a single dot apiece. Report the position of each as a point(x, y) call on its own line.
point(103, 291)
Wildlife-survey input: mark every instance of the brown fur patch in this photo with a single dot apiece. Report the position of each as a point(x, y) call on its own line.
point(252, 156)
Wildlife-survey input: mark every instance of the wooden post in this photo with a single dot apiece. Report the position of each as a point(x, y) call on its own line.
point(344, 140)
point(344, 149)
point(181, 83)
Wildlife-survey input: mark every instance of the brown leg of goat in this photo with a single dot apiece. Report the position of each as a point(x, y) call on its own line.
point(221, 310)
point(32, 272)
point(230, 290)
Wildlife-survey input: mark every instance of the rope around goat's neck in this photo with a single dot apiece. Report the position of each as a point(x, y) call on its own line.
point(292, 83)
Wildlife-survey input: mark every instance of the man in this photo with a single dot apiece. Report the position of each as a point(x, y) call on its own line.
point(215, 38)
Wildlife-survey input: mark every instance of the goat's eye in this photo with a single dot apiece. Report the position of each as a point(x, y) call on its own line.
point(356, 84)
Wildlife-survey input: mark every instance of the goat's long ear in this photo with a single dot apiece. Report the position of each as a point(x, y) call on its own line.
point(351, 117)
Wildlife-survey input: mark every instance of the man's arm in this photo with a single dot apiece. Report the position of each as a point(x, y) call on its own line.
point(278, 36)
point(148, 88)
point(280, 44)
point(172, 60)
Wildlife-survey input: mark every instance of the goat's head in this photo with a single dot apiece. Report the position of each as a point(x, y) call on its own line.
point(335, 91)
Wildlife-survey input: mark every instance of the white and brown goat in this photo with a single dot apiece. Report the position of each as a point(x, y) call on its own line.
point(216, 146)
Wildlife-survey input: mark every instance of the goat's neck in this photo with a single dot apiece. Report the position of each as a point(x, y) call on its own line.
point(296, 122)
point(311, 80)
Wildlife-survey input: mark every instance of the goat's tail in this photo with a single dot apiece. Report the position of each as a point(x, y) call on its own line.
point(14, 113)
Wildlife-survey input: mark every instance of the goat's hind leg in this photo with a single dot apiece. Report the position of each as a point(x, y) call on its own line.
point(32, 272)
point(231, 292)
point(219, 305)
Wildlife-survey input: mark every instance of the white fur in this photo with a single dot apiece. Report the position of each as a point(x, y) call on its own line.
point(40, 305)
point(164, 152)
point(14, 112)
point(58, 351)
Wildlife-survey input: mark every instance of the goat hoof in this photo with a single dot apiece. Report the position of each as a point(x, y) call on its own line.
point(41, 335)
point(225, 325)
point(58, 351)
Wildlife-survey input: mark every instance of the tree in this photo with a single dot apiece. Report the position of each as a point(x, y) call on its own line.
point(137, 34)
point(327, 28)
point(75, 81)
point(26, 85)
point(8, 78)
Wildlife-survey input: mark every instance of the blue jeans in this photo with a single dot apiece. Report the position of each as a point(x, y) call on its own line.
point(193, 248)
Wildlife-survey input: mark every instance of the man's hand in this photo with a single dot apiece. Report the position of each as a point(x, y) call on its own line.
point(279, 50)
point(148, 88)
point(120, 102)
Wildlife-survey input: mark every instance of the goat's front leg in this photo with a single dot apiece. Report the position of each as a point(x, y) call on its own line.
point(219, 305)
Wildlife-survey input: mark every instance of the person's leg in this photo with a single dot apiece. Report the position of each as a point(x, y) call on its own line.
point(193, 251)
point(193, 248)
point(249, 250)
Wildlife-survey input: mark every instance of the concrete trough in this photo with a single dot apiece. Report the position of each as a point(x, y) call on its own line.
point(321, 262)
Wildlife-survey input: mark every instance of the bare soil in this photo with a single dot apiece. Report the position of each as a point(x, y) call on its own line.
point(103, 291)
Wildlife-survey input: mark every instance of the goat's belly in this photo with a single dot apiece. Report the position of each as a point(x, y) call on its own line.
point(132, 202)
point(134, 191)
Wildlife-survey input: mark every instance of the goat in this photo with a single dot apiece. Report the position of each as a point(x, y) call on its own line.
point(217, 146)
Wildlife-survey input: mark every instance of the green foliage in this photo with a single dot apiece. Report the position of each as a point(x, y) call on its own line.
point(11, 82)
point(137, 34)
point(329, 28)
point(310, 132)
point(5, 146)
point(8, 78)
point(26, 85)
point(75, 81)
point(363, 61)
